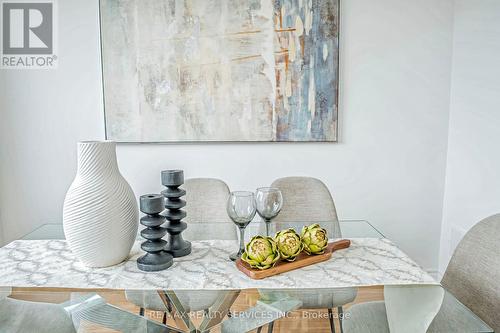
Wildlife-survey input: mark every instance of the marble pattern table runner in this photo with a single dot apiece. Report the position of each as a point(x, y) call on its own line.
point(50, 263)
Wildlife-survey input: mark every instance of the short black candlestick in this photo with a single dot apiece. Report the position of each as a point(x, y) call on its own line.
point(172, 179)
point(156, 258)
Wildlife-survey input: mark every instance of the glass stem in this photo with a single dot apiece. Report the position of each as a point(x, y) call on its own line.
point(268, 222)
point(242, 240)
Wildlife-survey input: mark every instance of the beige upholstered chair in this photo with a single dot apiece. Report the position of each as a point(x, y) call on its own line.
point(473, 273)
point(472, 277)
point(31, 317)
point(206, 200)
point(308, 200)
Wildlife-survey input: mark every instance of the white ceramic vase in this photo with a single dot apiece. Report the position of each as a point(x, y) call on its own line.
point(100, 215)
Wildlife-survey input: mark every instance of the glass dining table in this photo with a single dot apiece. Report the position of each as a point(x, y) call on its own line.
point(363, 307)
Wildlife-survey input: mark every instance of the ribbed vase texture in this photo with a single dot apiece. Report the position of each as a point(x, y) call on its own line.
point(100, 215)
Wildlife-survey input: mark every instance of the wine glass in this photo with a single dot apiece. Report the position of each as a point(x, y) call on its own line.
point(241, 209)
point(269, 201)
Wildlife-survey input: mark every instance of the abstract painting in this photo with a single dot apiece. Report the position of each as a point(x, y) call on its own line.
point(220, 70)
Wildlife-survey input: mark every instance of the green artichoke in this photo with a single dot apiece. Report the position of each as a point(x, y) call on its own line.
point(314, 239)
point(261, 252)
point(289, 244)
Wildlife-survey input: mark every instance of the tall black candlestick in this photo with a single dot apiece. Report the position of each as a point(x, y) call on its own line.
point(172, 179)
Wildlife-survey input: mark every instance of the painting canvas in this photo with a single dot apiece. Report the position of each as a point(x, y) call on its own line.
point(220, 70)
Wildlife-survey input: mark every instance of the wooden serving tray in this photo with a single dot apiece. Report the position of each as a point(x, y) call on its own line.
point(302, 260)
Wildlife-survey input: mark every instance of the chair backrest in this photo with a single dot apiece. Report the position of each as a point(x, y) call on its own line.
point(307, 200)
point(206, 200)
point(473, 274)
point(25, 316)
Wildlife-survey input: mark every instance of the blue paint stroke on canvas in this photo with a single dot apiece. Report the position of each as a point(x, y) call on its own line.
point(306, 70)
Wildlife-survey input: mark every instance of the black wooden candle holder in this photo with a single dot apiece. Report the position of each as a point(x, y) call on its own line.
point(172, 179)
point(156, 258)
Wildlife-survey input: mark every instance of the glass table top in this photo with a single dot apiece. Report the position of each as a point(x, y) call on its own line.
point(248, 310)
point(356, 309)
point(349, 229)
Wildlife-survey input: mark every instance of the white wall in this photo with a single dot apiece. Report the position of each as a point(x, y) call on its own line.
point(472, 179)
point(388, 168)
